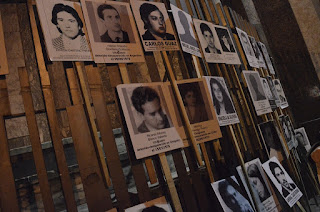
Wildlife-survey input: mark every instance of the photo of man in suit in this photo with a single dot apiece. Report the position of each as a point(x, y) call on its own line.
point(112, 21)
point(225, 40)
point(208, 36)
point(154, 23)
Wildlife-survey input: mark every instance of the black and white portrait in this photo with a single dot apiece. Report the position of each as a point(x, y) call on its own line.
point(280, 93)
point(222, 102)
point(227, 45)
point(268, 93)
point(266, 57)
point(288, 131)
point(271, 140)
point(261, 103)
point(64, 30)
point(184, 25)
point(257, 52)
point(273, 90)
point(148, 116)
point(112, 32)
point(154, 26)
point(230, 196)
point(157, 205)
point(302, 138)
point(247, 48)
point(283, 182)
point(209, 41)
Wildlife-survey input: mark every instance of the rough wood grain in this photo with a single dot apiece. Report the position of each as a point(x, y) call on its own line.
point(4, 69)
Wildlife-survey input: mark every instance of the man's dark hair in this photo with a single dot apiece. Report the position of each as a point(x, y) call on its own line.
point(153, 209)
point(145, 10)
point(273, 166)
point(142, 95)
point(103, 7)
point(276, 82)
point(66, 8)
point(204, 27)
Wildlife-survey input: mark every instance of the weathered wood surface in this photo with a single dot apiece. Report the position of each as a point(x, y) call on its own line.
point(3, 54)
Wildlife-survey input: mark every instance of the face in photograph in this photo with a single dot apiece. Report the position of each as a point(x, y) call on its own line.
point(186, 37)
point(257, 182)
point(225, 40)
point(221, 100)
point(154, 23)
point(232, 198)
point(70, 27)
point(209, 38)
point(111, 19)
point(257, 95)
point(267, 89)
point(272, 87)
point(301, 139)
point(281, 178)
point(271, 140)
point(246, 44)
point(147, 102)
point(193, 102)
point(279, 91)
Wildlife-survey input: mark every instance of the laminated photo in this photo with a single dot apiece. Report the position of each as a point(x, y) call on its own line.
point(302, 138)
point(64, 30)
point(209, 41)
point(257, 52)
point(112, 32)
point(288, 132)
point(154, 26)
point(268, 93)
point(148, 114)
point(260, 101)
point(282, 181)
point(199, 108)
point(222, 101)
point(280, 93)
point(266, 57)
point(247, 48)
point(259, 184)
point(184, 25)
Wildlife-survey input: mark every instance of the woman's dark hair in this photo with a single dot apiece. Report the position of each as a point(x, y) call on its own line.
point(66, 8)
point(190, 87)
point(253, 171)
point(226, 99)
point(204, 27)
point(145, 10)
point(276, 144)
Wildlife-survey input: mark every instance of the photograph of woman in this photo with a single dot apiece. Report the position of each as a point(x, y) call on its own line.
point(257, 182)
point(193, 102)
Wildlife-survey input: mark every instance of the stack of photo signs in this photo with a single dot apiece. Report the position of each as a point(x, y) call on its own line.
point(288, 131)
point(184, 25)
point(199, 109)
point(280, 93)
point(273, 142)
point(260, 101)
point(157, 205)
point(222, 102)
point(154, 26)
point(216, 43)
point(260, 186)
point(282, 181)
point(112, 32)
point(148, 114)
point(64, 30)
point(247, 48)
point(231, 196)
point(302, 138)
point(257, 52)
point(266, 57)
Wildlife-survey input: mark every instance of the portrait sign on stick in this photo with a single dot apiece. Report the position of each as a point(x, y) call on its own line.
point(185, 30)
point(227, 45)
point(154, 26)
point(4, 69)
point(247, 48)
point(209, 41)
point(282, 181)
point(268, 93)
point(148, 113)
point(258, 54)
point(266, 57)
point(259, 184)
point(200, 110)
point(302, 138)
point(64, 30)
point(159, 205)
point(112, 32)
point(288, 131)
point(260, 101)
point(280, 93)
point(222, 101)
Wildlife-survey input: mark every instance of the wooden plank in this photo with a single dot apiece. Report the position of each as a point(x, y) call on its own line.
point(4, 98)
point(35, 141)
point(109, 144)
point(96, 192)
point(229, 17)
point(4, 69)
point(8, 196)
point(74, 86)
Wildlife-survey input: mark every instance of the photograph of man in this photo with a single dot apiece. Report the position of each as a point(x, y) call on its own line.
point(225, 40)
point(271, 140)
point(187, 37)
point(147, 102)
point(258, 182)
point(193, 102)
point(266, 89)
point(230, 198)
point(279, 175)
point(70, 26)
point(288, 131)
point(279, 91)
point(302, 138)
point(272, 88)
point(112, 21)
point(246, 44)
point(256, 88)
point(209, 38)
point(154, 23)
